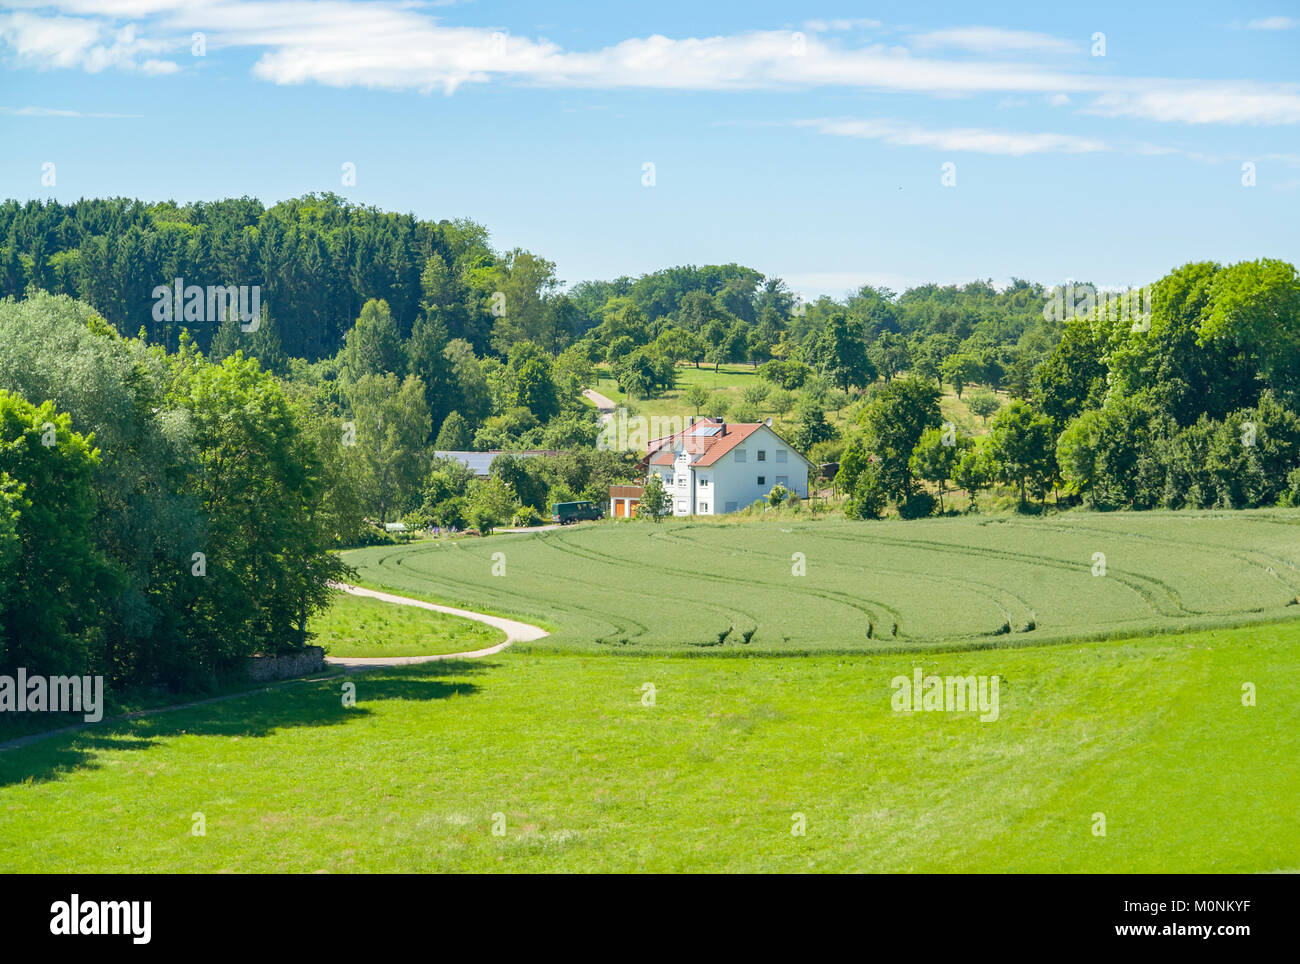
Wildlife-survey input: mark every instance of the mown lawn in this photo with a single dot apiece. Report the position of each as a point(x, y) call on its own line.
point(357, 626)
point(580, 775)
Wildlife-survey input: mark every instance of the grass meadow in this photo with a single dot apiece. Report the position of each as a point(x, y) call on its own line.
point(532, 761)
point(358, 626)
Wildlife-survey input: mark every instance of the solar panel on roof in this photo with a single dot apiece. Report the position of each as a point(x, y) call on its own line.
point(709, 431)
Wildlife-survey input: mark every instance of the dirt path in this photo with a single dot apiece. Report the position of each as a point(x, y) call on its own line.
point(604, 405)
point(516, 632)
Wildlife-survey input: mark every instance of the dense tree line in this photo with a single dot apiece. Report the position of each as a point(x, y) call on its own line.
point(167, 501)
point(161, 516)
point(1192, 405)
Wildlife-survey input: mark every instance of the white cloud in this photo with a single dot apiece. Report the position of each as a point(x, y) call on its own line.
point(966, 139)
point(77, 42)
point(988, 40)
point(1196, 102)
point(1273, 23)
point(399, 45)
point(56, 112)
point(826, 26)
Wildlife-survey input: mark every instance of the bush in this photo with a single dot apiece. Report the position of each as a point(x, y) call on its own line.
point(778, 495)
point(525, 516)
point(868, 497)
point(917, 506)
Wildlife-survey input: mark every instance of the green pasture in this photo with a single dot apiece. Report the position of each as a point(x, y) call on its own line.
point(533, 761)
point(358, 626)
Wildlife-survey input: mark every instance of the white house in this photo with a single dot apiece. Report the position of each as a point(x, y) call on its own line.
point(713, 467)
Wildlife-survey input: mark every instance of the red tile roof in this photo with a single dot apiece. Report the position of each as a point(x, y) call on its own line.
point(706, 448)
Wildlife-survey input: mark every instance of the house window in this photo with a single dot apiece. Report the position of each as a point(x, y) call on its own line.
point(704, 508)
point(681, 508)
point(783, 480)
point(780, 455)
point(681, 480)
point(704, 483)
point(762, 455)
point(741, 456)
point(762, 480)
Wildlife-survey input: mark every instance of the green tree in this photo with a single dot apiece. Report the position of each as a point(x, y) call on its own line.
point(492, 504)
point(984, 404)
point(392, 424)
point(49, 612)
point(266, 563)
point(1023, 447)
point(454, 436)
point(841, 353)
point(936, 455)
point(810, 426)
point(895, 420)
point(960, 370)
point(373, 346)
point(973, 472)
point(654, 500)
point(891, 355)
point(696, 396)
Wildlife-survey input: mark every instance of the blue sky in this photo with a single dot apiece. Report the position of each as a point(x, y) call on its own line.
point(806, 140)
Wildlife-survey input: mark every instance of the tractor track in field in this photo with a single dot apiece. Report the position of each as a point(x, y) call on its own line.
point(561, 544)
point(600, 616)
point(851, 601)
point(1169, 604)
point(1242, 555)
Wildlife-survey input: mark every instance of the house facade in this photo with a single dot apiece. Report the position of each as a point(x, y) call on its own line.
point(713, 467)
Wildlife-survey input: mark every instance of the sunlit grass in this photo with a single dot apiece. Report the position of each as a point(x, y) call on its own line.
point(562, 754)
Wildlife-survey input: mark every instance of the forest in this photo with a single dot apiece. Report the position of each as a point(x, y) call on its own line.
point(172, 491)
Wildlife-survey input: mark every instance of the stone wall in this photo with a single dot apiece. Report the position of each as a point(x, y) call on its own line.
point(262, 669)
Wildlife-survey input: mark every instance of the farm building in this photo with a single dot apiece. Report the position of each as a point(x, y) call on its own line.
point(480, 463)
point(713, 467)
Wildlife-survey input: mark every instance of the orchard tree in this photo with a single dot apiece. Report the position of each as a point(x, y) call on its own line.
point(696, 396)
point(936, 455)
point(984, 404)
point(973, 471)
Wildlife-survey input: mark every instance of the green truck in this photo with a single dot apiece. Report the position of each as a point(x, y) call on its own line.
point(567, 512)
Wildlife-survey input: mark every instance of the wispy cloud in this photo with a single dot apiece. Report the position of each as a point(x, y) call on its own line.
point(993, 40)
point(399, 45)
point(58, 112)
point(959, 139)
point(1273, 23)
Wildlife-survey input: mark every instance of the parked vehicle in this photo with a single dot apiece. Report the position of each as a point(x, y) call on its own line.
point(567, 512)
